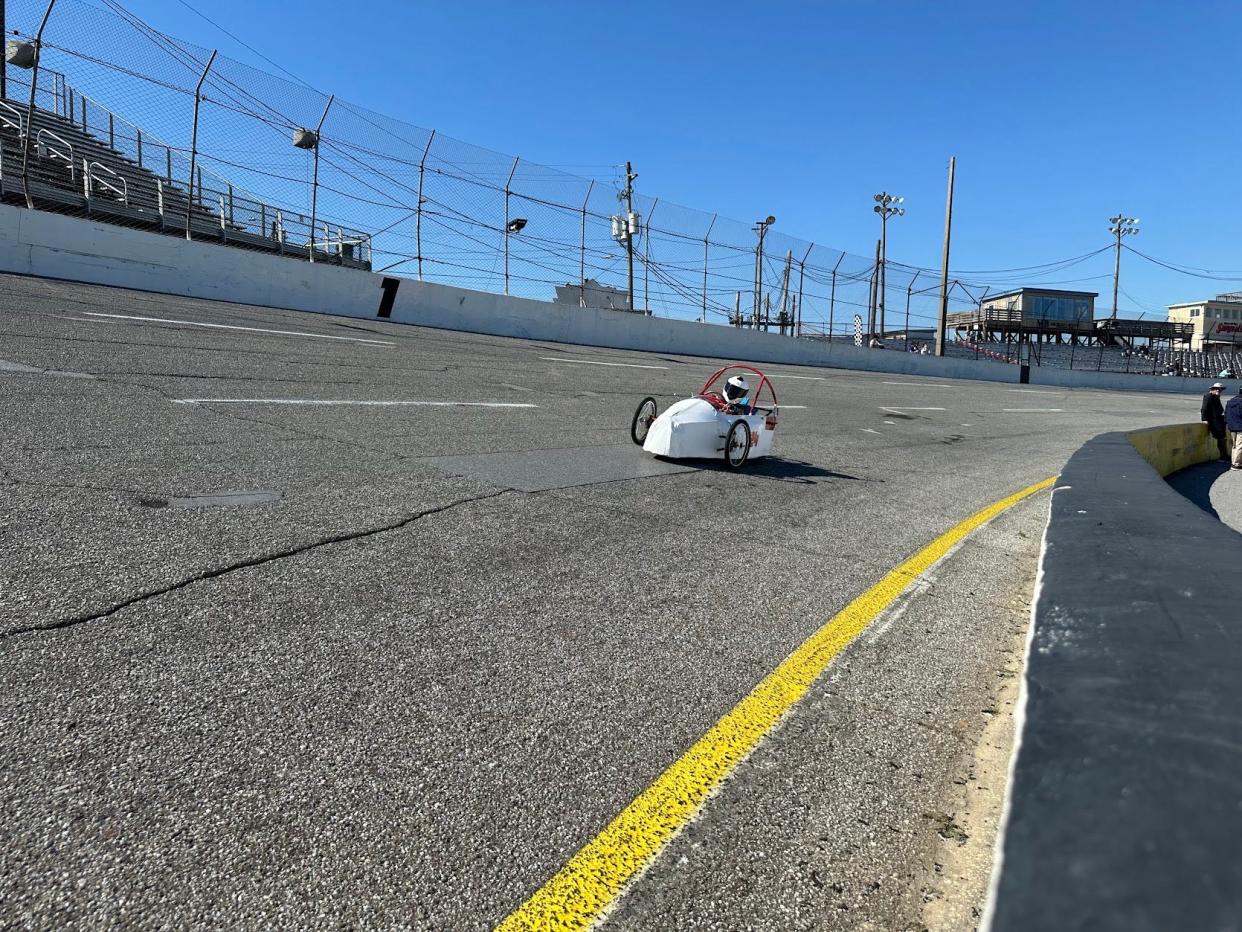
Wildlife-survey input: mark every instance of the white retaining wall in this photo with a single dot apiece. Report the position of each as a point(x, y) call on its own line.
point(54, 246)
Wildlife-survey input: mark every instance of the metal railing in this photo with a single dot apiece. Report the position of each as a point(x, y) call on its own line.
point(119, 187)
point(13, 118)
point(49, 152)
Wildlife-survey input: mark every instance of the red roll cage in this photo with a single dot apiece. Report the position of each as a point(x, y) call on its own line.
point(716, 400)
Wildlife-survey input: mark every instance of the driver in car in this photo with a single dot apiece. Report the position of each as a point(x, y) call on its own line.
point(735, 394)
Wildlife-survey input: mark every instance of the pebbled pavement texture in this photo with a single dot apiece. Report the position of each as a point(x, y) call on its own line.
point(310, 666)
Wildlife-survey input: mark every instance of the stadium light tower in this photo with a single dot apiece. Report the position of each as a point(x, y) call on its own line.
point(885, 206)
point(760, 227)
point(1121, 226)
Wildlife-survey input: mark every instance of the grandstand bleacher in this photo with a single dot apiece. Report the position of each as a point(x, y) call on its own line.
point(111, 170)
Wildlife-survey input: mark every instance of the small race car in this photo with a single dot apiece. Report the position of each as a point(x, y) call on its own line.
point(726, 416)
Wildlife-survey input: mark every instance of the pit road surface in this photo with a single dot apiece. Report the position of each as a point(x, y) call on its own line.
point(391, 664)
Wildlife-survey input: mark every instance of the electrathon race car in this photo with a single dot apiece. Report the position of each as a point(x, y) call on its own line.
point(729, 416)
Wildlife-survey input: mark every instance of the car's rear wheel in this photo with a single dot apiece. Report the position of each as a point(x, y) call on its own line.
point(737, 445)
point(643, 419)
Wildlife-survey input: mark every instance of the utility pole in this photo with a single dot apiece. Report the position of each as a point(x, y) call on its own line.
point(871, 304)
point(942, 321)
point(885, 206)
point(631, 227)
point(760, 227)
point(1121, 226)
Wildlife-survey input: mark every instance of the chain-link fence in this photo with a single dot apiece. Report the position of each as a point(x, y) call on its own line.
point(137, 127)
point(398, 197)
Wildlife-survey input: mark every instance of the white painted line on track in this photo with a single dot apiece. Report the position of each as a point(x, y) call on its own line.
point(346, 402)
point(596, 362)
point(868, 430)
point(919, 384)
point(804, 378)
point(1032, 410)
point(906, 408)
point(787, 407)
point(195, 323)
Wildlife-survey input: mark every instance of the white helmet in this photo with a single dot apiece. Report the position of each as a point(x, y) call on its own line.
point(736, 390)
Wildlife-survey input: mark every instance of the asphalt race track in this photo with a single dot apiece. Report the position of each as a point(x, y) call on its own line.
point(389, 665)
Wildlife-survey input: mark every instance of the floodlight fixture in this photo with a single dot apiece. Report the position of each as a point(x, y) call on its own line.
point(516, 225)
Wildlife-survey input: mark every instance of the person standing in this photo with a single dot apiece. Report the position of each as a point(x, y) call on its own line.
point(1212, 413)
point(1233, 420)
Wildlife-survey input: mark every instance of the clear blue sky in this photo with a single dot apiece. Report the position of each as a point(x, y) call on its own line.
point(1060, 113)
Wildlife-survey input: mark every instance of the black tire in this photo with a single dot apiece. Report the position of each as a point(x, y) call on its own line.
point(643, 418)
point(737, 445)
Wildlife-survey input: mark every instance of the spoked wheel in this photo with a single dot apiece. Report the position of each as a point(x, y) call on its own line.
point(643, 418)
point(737, 445)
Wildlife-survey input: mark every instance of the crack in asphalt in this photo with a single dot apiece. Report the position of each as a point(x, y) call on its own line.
point(250, 563)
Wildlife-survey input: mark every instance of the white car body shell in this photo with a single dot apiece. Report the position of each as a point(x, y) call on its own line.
point(695, 429)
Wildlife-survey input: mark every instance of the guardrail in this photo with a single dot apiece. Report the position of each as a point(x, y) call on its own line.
point(1124, 805)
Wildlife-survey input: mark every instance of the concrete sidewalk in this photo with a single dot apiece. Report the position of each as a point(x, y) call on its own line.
point(1215, 488)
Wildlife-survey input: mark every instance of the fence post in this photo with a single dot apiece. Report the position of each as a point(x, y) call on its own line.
point(310, 246)
point(832, 301)
point(418, 217)
point(582, 248)
point(159, 200)
point(647, 259)
point(706, 239)
point(34, 82)
point(168, 164)
point(138, 137)
point(512, 171)
point(198, 96)
point(111, 131)
point(801, 280)
point(280, 231)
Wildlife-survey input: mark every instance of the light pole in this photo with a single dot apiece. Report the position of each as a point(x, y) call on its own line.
point(1121, 226)
point(885, 206)
point(760, 227)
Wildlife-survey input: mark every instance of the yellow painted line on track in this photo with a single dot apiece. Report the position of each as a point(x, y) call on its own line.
point(587, 887)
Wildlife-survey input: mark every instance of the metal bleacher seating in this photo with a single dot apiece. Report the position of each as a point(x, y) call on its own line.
point(70, 169)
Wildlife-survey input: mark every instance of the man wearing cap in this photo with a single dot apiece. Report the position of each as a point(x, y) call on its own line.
point(1233, 420)
point(1212, 413)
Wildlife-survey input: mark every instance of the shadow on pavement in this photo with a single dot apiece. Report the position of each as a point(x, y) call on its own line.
point(782, 470)
point(1195, 483)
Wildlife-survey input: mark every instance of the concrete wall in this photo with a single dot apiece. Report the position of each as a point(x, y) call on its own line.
point(1124, 804)
point(1175, 447)
point(54, 246)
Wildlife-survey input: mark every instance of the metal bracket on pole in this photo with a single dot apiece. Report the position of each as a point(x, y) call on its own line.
point(198, 96)
point(310, 246)
point(34, 81)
